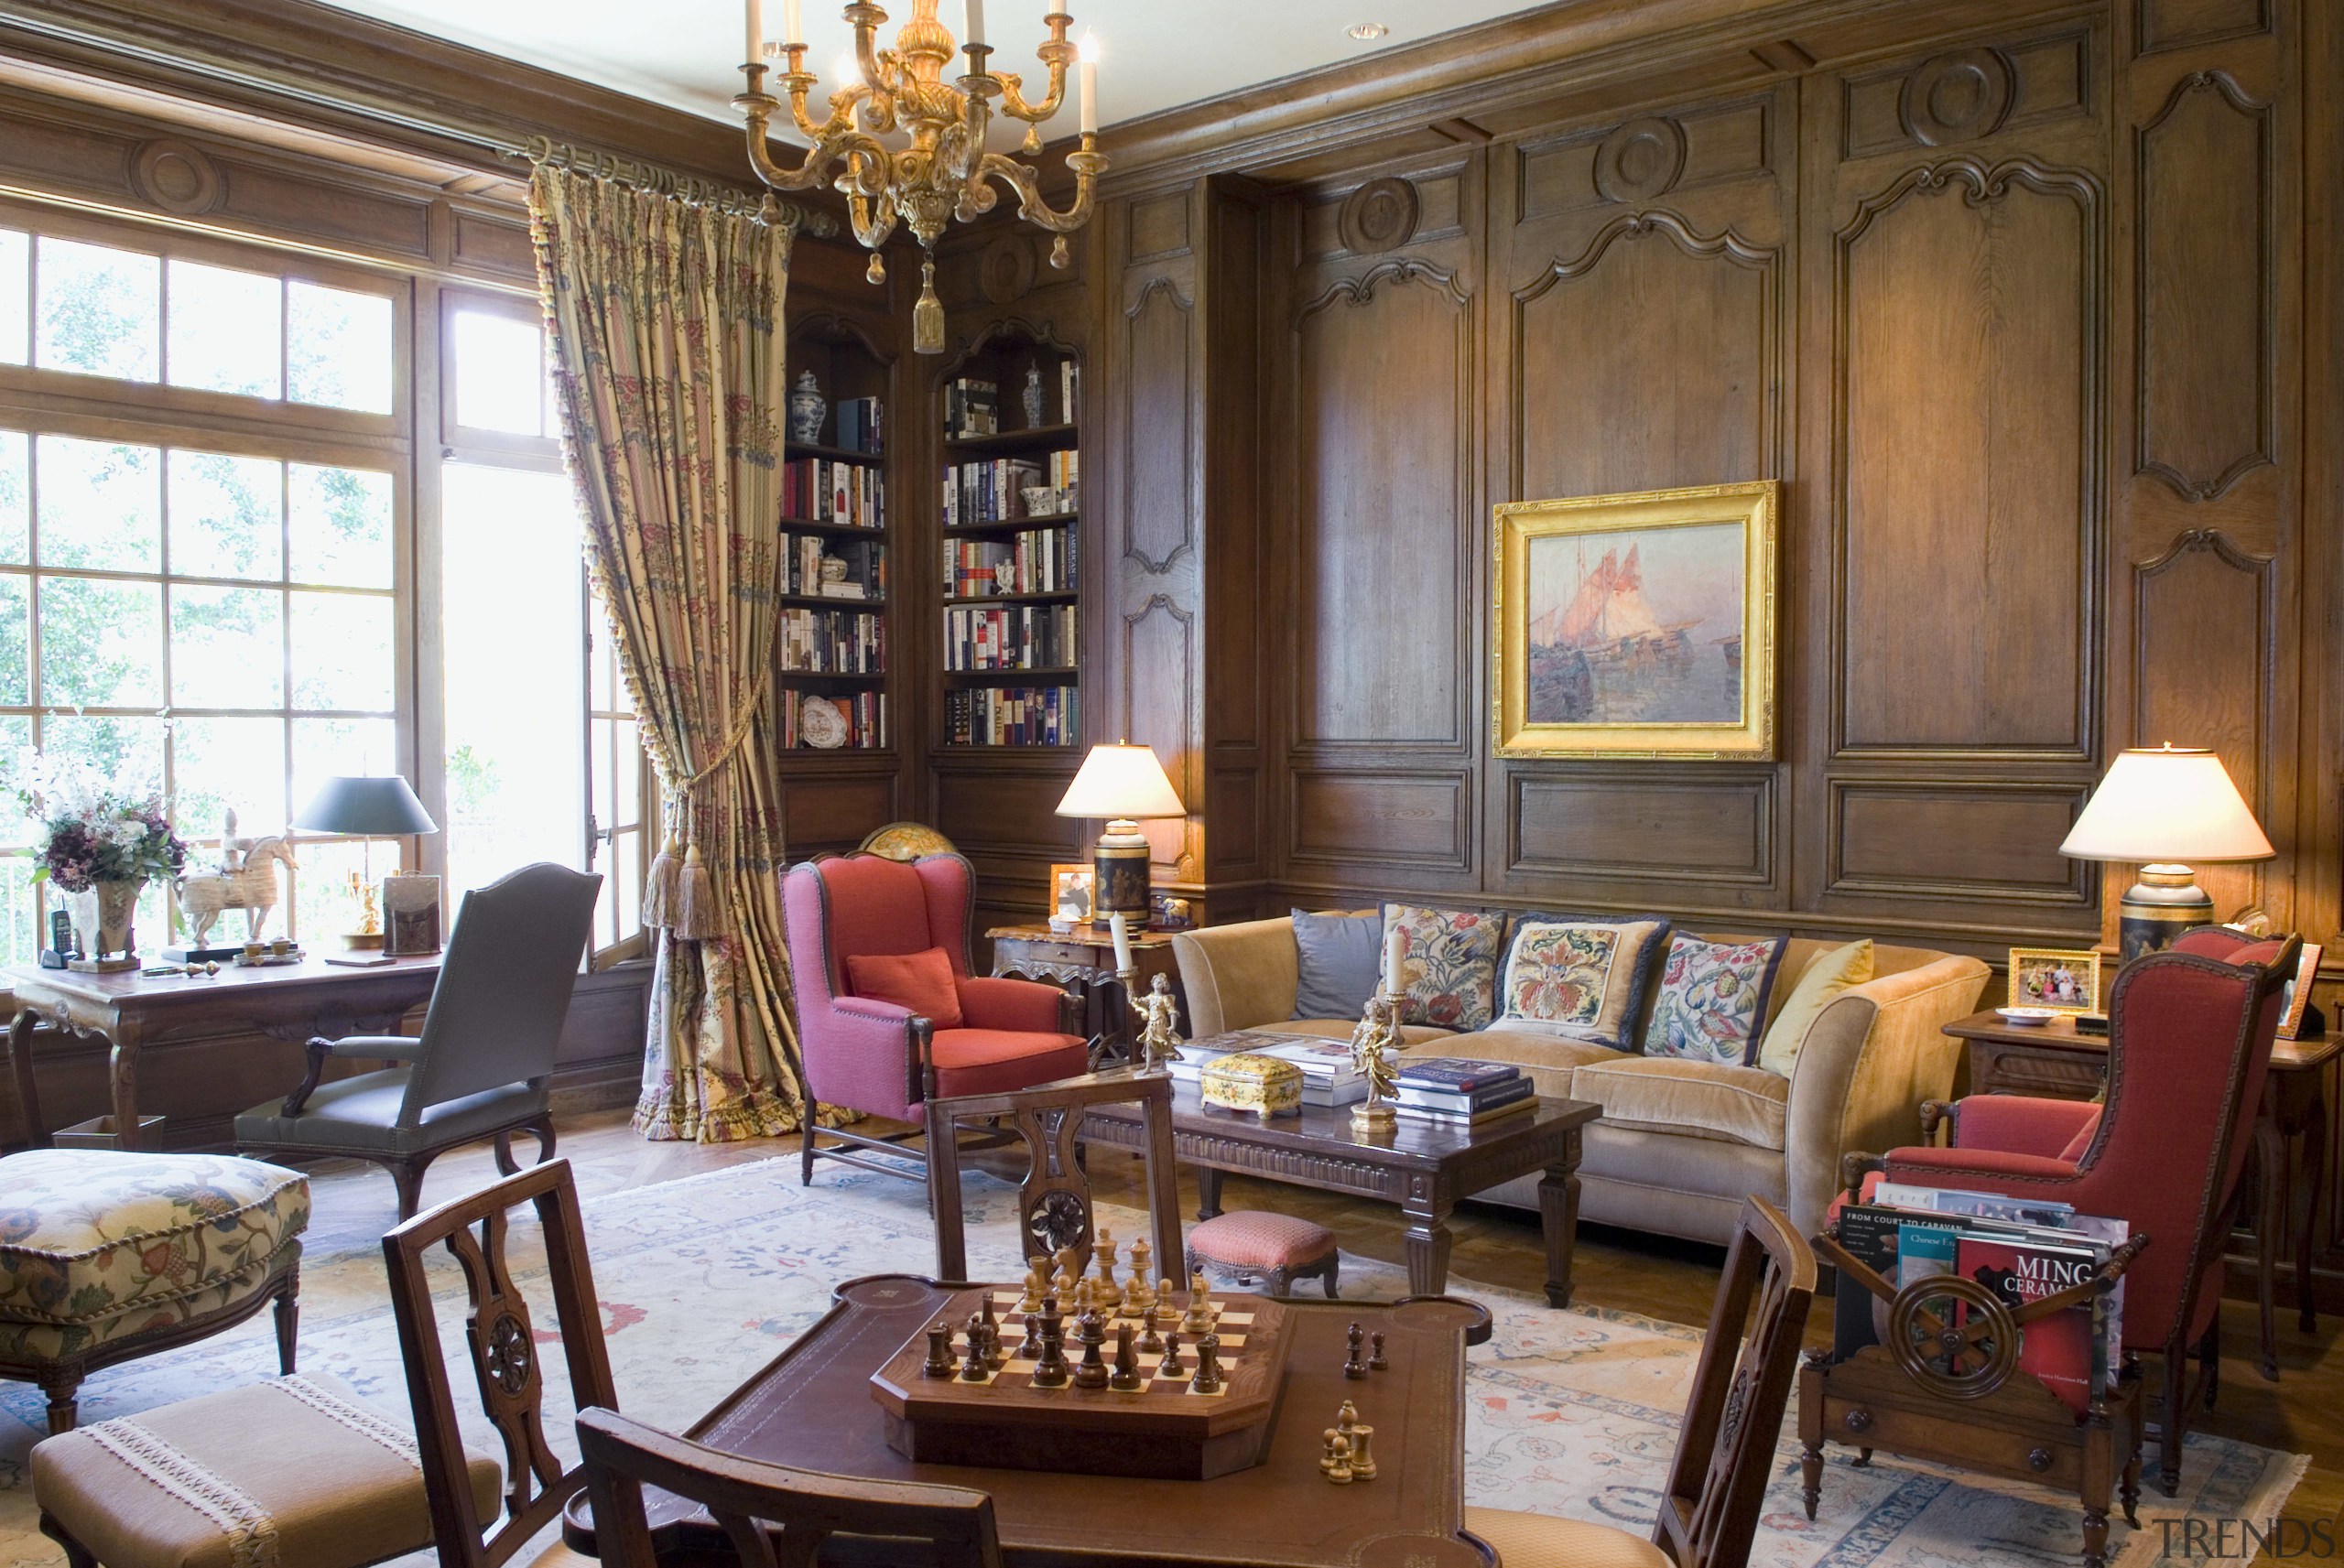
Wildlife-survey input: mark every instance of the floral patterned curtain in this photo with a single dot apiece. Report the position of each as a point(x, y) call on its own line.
point(666, 319)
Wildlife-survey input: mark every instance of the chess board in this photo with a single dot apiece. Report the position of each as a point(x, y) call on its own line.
point(1163, 1428)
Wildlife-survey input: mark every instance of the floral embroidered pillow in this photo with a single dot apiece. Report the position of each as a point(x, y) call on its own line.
point(1579, 976)
point(1447, 961)
point(1712, 999)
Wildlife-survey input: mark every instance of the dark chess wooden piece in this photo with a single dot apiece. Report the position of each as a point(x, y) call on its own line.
point(1032, 1348)
point(1208, 1379)
point(1126, 1376)
point(1151, 1343)
point(1050, 1370)
point(1172, 1365)
point(978, 1365)
point(1376, 1361)
point(1091, 1372)
point(939, 1352)
point(1355, 1363)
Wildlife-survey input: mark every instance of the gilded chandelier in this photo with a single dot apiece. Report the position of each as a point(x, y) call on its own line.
point(945, 172)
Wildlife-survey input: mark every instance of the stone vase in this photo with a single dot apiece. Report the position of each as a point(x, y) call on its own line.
point(101, 920)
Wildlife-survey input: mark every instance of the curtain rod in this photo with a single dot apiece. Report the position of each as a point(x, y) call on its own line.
point(636, 175)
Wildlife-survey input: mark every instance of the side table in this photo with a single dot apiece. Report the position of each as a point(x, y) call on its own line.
point(2054, 1062)
point(1082, 962)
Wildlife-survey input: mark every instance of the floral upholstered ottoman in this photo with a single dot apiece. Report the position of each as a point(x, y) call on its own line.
point(107, 1256)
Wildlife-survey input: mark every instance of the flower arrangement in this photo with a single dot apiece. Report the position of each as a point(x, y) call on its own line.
point(95, 830)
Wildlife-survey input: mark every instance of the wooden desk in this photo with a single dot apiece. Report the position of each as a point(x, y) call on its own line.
point(812, 1408)
point(2054, 1061)
point(129, 1011)
point(1083, 962)
point(1423, 1168)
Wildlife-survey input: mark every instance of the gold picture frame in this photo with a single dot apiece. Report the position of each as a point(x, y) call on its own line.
point(2063, 979)
point(1637, 625)
point(1083, 877)
point(2297, 997)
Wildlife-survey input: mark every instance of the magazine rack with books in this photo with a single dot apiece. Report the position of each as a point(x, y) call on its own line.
point(1972, 1330)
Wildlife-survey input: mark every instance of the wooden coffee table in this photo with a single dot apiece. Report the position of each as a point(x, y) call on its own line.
point(1423, 1168)
point(813, 1408)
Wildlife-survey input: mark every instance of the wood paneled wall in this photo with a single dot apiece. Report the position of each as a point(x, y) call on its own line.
point(2011, 298)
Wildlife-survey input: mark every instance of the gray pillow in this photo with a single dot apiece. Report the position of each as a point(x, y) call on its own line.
point(1342, 958)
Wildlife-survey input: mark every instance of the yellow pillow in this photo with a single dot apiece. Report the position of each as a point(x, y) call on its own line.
point(1826, 976)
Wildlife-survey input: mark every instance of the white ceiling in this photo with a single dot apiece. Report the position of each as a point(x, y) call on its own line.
point(1156, 54)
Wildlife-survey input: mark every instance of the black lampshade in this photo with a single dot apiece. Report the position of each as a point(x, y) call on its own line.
point(375, 808)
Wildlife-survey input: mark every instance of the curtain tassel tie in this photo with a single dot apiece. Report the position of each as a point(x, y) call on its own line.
point(697, 917)
point(661, 898)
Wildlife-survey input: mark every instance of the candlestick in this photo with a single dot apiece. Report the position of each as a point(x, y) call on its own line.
point(755, 29)
point(793, 23)
point(1123, 940)
point(1089, 84)
point(1392, 963)
point(972, 23)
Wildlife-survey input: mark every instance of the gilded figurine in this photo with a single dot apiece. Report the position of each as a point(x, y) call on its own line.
point(1159, 1018)
point(1373, 1042)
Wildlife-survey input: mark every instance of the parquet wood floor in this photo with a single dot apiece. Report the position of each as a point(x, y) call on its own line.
point(1674, 1280)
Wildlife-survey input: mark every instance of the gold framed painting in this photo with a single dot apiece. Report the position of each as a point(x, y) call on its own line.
point(1638, 626)
point(2062, 980)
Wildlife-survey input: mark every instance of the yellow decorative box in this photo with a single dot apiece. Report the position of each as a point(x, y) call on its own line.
point(1262, 1085)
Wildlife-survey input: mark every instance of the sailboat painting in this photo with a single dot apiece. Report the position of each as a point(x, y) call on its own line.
point(1639, 627)
point(1637, 624)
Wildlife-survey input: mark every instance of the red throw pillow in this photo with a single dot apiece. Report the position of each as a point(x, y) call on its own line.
point(921, 981)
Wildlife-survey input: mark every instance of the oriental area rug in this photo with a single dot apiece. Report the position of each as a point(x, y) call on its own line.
point(1572, 1413)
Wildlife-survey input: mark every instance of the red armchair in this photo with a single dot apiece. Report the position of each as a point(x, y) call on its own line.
point(880, 1058)
point(2190, 1042)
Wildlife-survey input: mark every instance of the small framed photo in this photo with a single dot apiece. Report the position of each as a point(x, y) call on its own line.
point(1071, 892)
point(411, 914)
point(2297, 996)
point(2062, 980)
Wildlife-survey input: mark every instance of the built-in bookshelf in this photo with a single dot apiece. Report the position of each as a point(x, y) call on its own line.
point(1012, 567)
point(832, 643)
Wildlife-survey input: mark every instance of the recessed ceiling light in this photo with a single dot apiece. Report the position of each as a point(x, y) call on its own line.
point(1368, 32)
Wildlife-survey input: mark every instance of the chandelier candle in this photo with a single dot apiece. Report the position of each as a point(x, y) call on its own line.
point(904, 145)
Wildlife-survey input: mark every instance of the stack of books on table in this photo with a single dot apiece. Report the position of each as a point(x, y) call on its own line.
point(2021, 1249)
point(1328, 1076)
point(1450, 1091)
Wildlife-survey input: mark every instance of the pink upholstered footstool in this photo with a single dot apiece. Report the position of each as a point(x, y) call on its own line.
point(1274, 1248)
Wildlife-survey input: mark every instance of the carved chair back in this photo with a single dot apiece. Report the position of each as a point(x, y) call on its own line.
point(1725, 1447)
point(1054, 1209)
point(503, 1343)
point(745, 1495)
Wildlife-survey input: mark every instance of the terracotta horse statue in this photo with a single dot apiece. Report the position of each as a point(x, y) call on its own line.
point(246, 879)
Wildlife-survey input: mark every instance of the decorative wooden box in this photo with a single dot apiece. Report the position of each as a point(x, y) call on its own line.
point(1262, 1085)
point(1161, 1431)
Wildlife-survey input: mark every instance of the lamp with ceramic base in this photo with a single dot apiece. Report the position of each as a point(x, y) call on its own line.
point(2163, 806)
point(1121, 783)
point(367, 808)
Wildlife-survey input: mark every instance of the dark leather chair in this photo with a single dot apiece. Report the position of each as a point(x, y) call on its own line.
point(881, 1058)
point(482, 1065)
point(2189, 1035)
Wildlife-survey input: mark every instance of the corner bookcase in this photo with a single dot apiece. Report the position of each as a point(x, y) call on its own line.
point(1012, 484)
point(836, 532)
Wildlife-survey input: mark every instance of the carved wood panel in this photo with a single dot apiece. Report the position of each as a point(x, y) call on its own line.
point(1967, 410)
point(1159, 371)
point(1659, 825)
point(1403, 819)
point(1923, 838)
point(2203, 289)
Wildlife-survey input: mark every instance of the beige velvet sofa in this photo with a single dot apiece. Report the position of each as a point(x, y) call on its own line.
point(1680, 1143)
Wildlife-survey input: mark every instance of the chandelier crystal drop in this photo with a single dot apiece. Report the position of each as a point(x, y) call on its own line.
point(906, 146)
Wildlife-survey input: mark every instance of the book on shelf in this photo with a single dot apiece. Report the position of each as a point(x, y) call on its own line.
point(833, 642)
point(1012, 716)
point(972, 407)
point(1010, 637)
point(864, 715)
point(825, 489)
point(861, 428)
point(1069, 391)
point(864, 562)
point(2069, 1351)
point(1040, 561)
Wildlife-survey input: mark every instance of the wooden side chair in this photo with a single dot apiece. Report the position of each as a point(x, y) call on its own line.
point(1054, 1200)
point(1725, 1447)
point(748, 1497)
point(302, 1470)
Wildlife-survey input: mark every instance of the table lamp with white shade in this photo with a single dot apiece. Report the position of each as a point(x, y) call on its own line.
point(2164, 806)
point(1120, 784)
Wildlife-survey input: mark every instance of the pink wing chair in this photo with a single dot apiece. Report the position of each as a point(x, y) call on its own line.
point(881, 1058)
point(2188, 1044)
